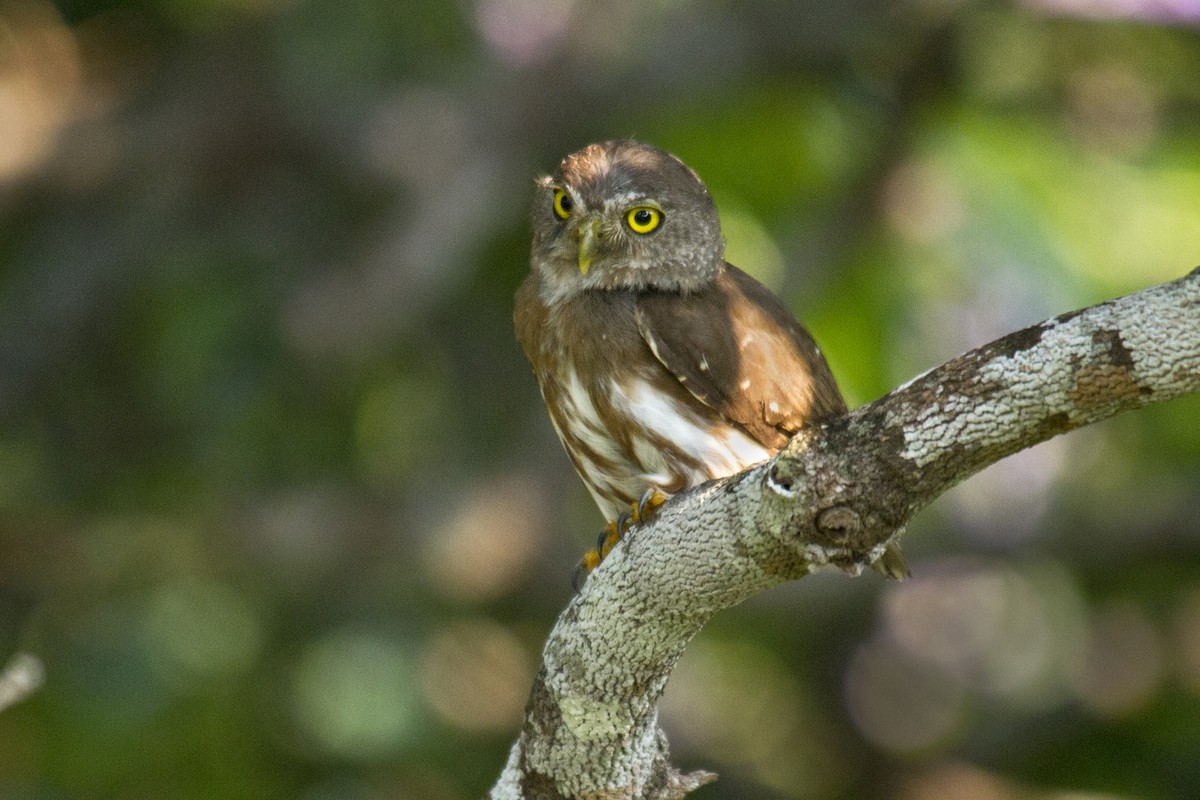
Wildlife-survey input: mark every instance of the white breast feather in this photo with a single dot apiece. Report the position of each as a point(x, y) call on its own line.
point(589, 427)
point(723, 449)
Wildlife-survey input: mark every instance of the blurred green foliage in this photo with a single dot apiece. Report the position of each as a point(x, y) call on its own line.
point(280, 511)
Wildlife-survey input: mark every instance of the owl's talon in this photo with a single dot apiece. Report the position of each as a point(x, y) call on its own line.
point(609, 536)
point(591, 560)
point(614, 531)
point(647, 504)
point(618, 530)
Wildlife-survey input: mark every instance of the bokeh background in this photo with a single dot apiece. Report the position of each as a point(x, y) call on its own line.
point(281, 515)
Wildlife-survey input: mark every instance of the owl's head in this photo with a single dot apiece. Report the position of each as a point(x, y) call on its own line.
point(625, 215)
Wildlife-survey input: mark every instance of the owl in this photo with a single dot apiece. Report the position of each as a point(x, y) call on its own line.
point(661, 365)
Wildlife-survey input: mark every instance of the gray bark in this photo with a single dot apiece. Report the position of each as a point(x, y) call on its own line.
point(837, 494)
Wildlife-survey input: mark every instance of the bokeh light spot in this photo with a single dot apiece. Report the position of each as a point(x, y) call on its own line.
point(958, 780)
point(923, 203)
point(40, 79)
point(20, 677)
point(1124, 665)
point(524, 31)
point(354, 694)
point(305, 532)
point(476, 675)
point(489, 542)
point(992, 628)
point(203, 628)
point(1145, 10)
point(1113, 110)
point(982, 507)
point(1185, 626)
point(900, 704)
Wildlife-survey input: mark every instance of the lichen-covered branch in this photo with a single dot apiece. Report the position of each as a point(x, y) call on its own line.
point(837, 495)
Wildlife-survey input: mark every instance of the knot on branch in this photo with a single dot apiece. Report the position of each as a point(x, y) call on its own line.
point(844, 539)
point(841, 525)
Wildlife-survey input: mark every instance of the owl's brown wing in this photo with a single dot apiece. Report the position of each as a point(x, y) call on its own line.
point(738, 349)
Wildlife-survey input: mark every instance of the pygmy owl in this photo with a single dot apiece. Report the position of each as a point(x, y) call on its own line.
point(662, 366)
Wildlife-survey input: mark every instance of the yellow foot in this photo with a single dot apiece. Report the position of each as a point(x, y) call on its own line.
point(637, 513)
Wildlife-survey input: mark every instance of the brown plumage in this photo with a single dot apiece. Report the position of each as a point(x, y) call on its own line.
point(661, 365)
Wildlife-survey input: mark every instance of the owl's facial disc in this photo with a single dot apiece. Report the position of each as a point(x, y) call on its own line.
point(609, 230)
point(624, 215)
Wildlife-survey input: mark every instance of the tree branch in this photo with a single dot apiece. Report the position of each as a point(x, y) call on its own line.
point(837, 494)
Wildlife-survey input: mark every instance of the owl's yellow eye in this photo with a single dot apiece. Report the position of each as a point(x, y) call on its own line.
point(643, 219)
point(562, 203)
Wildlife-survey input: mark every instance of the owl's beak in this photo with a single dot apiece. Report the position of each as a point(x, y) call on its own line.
point(587, 233)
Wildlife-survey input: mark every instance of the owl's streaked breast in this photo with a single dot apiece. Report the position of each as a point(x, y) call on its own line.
point(625, 421)
point(626, 436)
